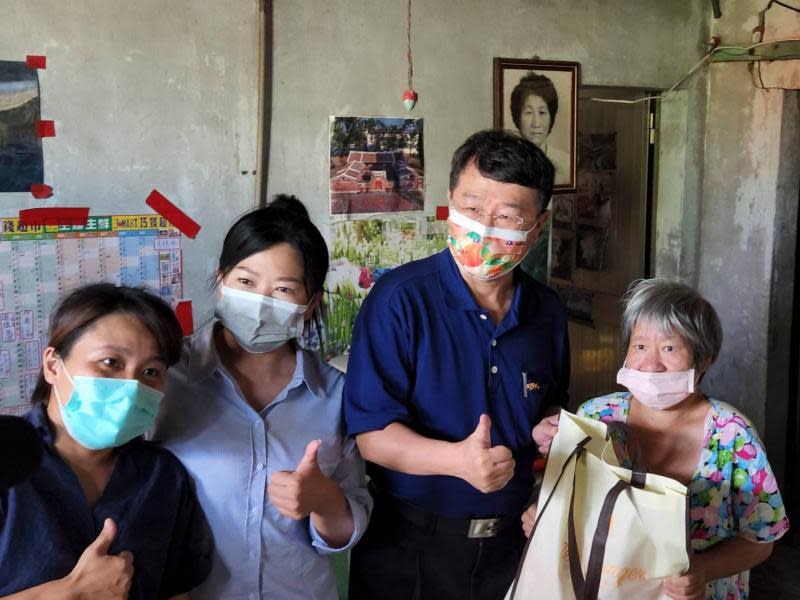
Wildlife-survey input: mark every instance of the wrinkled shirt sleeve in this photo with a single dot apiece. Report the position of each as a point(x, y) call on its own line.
point(350, 475)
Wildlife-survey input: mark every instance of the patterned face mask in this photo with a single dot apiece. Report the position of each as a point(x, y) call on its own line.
point(485, 252)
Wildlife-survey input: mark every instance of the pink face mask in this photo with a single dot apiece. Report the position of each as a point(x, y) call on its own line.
point(657, 390)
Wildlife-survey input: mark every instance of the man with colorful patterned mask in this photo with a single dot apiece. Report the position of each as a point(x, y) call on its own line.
point(454, 359)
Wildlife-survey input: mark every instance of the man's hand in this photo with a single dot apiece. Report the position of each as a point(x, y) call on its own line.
point(98, 575)
point(691, 586)
point(484, 467)
point(296, 494)
point(528, 519)
point(544, 432)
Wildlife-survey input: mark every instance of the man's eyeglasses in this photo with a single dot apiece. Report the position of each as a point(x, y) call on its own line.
point(501, 221)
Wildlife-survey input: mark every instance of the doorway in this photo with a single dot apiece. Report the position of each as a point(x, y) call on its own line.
point(601, 234)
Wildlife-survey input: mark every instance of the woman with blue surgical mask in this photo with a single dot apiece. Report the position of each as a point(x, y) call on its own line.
point(257, 419)
point(106, 514)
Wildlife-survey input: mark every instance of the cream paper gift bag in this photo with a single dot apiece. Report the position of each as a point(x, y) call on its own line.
point(601, 531)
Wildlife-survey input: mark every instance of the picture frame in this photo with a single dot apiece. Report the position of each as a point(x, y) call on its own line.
point(539, 100)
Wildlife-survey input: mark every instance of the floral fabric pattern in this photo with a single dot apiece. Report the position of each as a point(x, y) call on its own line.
point(733, 491)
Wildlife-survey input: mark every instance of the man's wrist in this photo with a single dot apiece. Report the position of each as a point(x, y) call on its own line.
point(452, 455)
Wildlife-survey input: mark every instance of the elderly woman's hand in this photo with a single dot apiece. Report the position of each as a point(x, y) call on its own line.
point(528, 519)
point(690, 586)
point(544, 432)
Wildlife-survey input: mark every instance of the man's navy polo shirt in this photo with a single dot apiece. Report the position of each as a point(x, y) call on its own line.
point(426, 355)
point(46, 522)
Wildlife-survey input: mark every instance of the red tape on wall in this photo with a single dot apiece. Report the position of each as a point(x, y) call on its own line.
point(45, 129)
point(54, 216)
point(36, 61)
point(188, 226)
point(184, 313)
point(41, 191)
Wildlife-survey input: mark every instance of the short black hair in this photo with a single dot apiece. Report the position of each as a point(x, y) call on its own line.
point(284, 220)
point(79, 310)
point(506, 157)
point(534, 84)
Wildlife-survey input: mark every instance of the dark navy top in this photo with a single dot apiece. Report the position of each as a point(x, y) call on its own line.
point(46, 522)
point(426, 355)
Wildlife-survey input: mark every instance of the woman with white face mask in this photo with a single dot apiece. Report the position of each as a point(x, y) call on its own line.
point(257, 421)
point(673, 336)
point(106, 514)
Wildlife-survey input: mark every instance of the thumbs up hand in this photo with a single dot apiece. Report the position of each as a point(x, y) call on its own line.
point(296, 494)
point(99, 575)
point(484, 467)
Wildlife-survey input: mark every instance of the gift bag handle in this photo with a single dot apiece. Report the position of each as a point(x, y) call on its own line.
point(579, 447)
point(588, 588)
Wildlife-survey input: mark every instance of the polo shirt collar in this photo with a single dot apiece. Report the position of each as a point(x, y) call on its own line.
point(204, 361)
point(454, 288)
point(457, 295)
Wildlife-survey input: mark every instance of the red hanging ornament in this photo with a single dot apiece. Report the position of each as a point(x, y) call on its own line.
point(409, 99)
point(409, 96)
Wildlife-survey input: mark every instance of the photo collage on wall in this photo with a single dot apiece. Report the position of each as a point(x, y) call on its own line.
point(377, 195)
point(581, 220)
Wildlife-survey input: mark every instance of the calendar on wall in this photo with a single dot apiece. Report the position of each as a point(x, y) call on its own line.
point(39, 264)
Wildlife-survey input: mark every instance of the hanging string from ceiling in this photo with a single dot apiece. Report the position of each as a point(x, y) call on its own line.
point(409, 96)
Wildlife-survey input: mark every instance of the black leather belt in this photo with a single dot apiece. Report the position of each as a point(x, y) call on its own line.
point(432, 523)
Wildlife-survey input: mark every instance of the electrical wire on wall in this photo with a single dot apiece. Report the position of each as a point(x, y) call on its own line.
point(754, 66)
point(758, 35)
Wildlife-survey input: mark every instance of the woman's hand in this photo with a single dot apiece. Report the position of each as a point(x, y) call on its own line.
point(528, 519)
point(98, 575)
point(544, 432)
point(296, 494)
point(690, 586)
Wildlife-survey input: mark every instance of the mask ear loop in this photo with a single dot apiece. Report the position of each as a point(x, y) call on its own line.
point(69, 377)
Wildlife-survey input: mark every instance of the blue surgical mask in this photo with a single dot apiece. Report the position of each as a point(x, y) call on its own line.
point(104, 412)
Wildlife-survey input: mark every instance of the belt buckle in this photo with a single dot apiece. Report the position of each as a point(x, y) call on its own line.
point(483, 528)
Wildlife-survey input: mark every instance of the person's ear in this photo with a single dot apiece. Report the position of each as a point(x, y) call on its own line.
point(50, 365)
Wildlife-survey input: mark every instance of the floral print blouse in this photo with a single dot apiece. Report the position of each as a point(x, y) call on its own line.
point(733, 490)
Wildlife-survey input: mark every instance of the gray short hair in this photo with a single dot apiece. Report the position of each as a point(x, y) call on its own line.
point(675, 308)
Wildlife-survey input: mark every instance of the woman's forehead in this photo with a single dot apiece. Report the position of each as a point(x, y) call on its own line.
point(649, 326)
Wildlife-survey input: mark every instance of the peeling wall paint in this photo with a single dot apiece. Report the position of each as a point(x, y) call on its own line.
point(748, 232)
point(147, 94)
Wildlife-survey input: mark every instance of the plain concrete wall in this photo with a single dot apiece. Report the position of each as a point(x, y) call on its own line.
point(750, 192)
point(349, 58)
point(146, 94)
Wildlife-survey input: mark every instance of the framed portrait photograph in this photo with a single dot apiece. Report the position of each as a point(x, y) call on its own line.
point(539, 99)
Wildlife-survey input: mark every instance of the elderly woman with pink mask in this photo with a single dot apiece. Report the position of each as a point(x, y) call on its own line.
point(672, 428)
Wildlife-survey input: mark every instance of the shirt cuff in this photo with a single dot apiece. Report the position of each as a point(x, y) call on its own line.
point(360, 517)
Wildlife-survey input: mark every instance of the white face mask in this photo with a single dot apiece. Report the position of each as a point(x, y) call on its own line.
point(259, 323)
point(657, 390)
